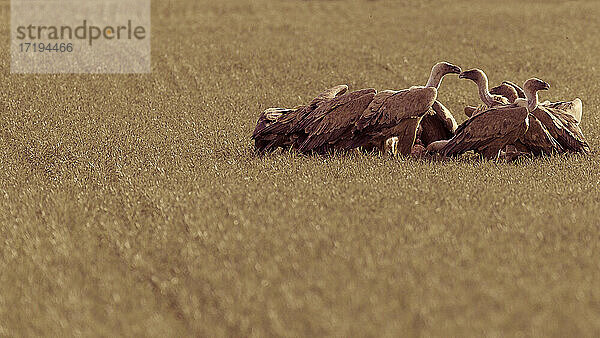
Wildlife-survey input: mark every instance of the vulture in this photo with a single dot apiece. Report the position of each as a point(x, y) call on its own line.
point(513, 125)
point(573, 108)
point(537, 140)
point(560, 123)
point(369, 119)
point(489, 99)
point(506, 91)
point(329, 127)
point(275, 127)
point(520, 92)
point(438, 124)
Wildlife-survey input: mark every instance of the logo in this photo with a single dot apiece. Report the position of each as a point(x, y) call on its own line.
point(80, 36)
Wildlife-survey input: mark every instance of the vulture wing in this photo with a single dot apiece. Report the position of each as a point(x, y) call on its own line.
point(325, 107)
point(330, 93)
point(394, 114)
point(396, 106)
point(489, 132)
point(573, 108)
point(280, 132)
point(537, 140)
point(268, 117)
point(334, 126)
point(520, 92)
point(438, 124)
point(563, 127)
point(265, 141)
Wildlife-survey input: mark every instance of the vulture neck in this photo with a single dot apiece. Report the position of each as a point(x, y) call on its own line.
point(532, 99)
point(484, 92)
point(435, 78)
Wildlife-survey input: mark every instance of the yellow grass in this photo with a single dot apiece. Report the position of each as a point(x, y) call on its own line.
point(133, 205)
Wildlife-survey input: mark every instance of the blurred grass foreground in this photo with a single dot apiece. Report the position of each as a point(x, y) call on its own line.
point(133, 205)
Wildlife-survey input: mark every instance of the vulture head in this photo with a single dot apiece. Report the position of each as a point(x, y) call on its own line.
point(447, 68)
point(535, 84)
point(439, 70)
point(505, 90)
point(531, 87)
point(479, 77)
point(475, 75)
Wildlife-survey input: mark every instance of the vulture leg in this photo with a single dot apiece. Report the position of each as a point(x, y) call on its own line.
point(391, 146)
point(418, 151)
point(512, 152)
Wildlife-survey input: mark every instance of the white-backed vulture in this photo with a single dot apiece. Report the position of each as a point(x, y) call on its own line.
point(437, 124)
point(496, 128)
point(275, 127)
point(389, 114)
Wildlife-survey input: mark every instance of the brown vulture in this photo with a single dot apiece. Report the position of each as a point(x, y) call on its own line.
point(368, 119)
point(489, 100)
point(275, 126)
point(514, 125)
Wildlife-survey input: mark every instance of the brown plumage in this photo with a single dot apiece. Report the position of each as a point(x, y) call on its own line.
point(263, 141)
point(563, 127)
point(488, 99)
point(537, 140)
point(331, 124)
point(505, 91)
point(489, 132)
point(360, 123)
point(438, 124)
point(276, 127)
point(396, 114)
point(561, 124)
point(573, 108)
point(510, 127)
point(520, 92)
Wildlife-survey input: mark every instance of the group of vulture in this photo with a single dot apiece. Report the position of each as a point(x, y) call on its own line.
point(510, 123)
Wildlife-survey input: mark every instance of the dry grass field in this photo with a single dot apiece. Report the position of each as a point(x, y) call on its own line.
point(133, 204)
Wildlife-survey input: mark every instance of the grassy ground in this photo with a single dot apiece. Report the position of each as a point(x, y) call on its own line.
point(133, 205)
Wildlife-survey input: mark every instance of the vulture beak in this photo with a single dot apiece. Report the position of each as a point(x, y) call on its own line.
point(456, 70)
point(461, 75)
point(546, 86)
